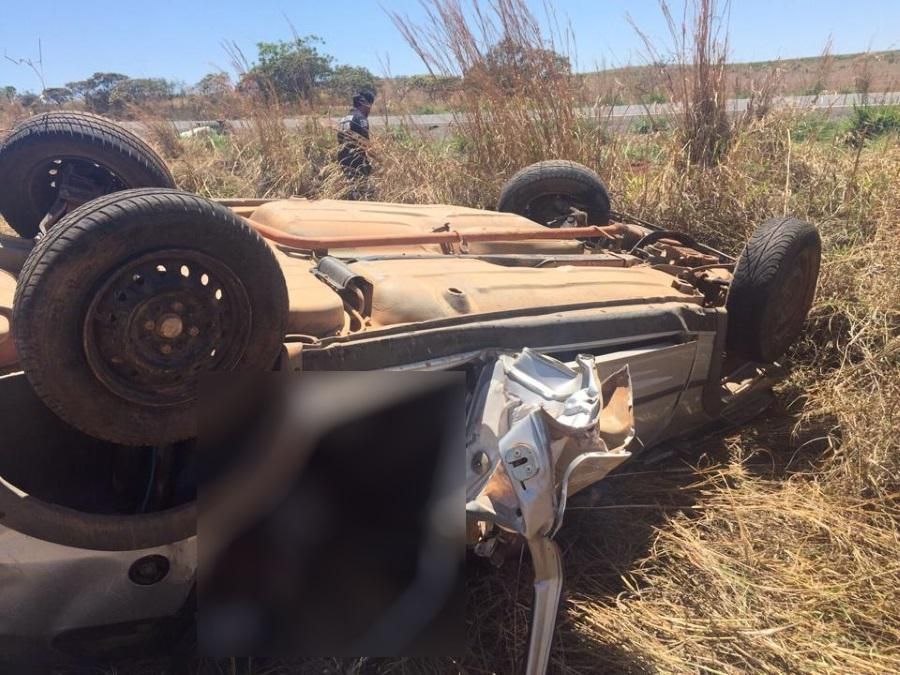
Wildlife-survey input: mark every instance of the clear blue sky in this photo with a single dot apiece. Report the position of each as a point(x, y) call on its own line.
point(182, 39)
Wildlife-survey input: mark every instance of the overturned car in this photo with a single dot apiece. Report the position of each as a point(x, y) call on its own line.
point(585, 338)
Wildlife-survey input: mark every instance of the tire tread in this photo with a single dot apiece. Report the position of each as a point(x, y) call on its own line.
point(89, 129)
point(93, 216)
point(768, 252)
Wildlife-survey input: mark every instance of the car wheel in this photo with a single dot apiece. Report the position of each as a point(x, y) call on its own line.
point(53, 162)
point(773, 288)
point(545, 192)
point(132, 297)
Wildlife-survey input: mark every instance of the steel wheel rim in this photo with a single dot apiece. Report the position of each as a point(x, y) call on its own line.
point(160, 321)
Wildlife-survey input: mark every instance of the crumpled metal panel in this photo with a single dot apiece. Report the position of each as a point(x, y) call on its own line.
point(554, 413)
point(538, 431)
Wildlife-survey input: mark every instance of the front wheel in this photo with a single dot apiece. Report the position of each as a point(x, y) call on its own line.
point(547, 191)
point(132, 297)
point(773, 288)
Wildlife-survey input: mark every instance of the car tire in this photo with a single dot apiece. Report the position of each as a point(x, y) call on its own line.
point(130, 298)
point(773, 288)
point(545, 191)
point(31, 157)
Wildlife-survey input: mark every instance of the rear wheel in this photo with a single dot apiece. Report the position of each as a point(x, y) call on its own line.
point(52, 163)
point(547, 191)
point(126, 302)
point(773, 288)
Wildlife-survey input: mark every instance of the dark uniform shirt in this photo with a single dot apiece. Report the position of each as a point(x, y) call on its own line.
point(351, 155)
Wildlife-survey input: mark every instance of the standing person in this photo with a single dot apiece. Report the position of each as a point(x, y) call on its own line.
point(353, 151)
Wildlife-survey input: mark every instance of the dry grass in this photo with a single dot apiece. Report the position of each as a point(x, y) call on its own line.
point(693, 76)
point(761, 575)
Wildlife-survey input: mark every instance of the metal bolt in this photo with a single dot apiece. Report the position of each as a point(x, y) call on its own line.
point(166, 349)
point(149, 325)
point(194, 331)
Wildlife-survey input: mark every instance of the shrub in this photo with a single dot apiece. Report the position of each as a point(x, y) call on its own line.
point(872, 121)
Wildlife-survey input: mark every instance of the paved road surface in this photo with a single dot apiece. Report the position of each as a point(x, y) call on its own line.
point(836, 105)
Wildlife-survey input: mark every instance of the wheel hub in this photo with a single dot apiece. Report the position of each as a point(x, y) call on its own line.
point(161, 320)
point(170, 326)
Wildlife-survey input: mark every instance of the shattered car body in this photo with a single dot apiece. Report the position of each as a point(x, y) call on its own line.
point(540, 431)
point(583, 342)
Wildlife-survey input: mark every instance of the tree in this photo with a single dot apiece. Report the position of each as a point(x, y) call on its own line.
point(290, 70)
point(510, 64)
point(345, 80)
point(214, 85)
point(57, 95)
point(28, 99)
point(96, 90)
point(8, 93)
point(139, 91)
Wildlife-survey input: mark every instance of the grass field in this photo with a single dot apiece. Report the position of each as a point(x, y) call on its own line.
point(773, 549)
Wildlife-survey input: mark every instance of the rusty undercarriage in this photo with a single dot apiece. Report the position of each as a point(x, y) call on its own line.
point(583, 342)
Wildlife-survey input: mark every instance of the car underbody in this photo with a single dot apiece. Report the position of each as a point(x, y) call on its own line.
point(581, 344)
point(578, 355)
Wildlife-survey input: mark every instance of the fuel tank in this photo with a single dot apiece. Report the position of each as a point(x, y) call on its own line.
point(414, 290)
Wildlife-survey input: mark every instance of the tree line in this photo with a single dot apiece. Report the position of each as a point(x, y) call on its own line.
point(291, 71)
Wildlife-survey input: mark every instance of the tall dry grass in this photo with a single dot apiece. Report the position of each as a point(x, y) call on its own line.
point(692, 70)
point(517, 99)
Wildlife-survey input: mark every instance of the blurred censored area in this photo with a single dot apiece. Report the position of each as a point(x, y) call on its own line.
point(332, 515)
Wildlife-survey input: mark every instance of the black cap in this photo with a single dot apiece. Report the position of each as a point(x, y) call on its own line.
point(364, 95)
